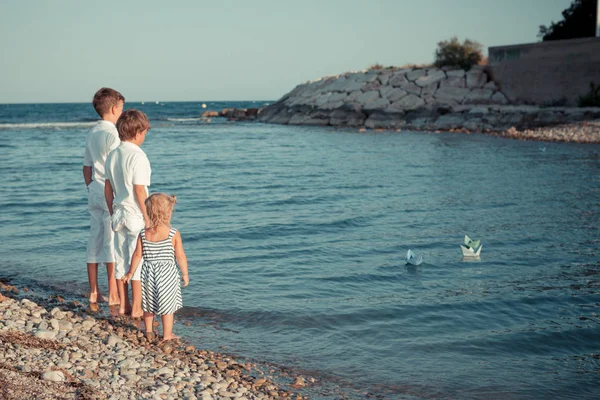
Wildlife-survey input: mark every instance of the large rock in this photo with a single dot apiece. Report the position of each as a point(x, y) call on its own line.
point(498, 98)
point(367, 97)
point(431, 78)
point(451, 94)
point(384, 121)
point(411, 88)
point(415, 74)
point(45, 334)
point(397, 79)
point(456, 81)
point(396, 94)
point(456, 73)
point(352, 85)
point(376, 104)
point(478, 96)
point(343, 117)
point(449, 121)
point(409, 102)
point(476, 79)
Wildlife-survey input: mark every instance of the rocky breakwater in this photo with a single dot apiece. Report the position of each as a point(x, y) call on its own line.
point(59, 351)
point(418, 99)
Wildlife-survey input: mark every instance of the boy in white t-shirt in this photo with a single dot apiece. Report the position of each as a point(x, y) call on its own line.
point(126, 189)
point(102, 138)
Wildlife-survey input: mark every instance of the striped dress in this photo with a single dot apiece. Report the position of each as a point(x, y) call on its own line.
point(161, 288)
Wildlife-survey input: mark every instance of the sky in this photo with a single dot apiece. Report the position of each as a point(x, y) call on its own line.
point(54, 51)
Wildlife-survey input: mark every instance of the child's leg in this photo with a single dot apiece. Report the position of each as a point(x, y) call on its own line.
point(148, 321)
point(136, 289)
point(124, 305)
point(113, 292)
point(167, 322)
point(120, 270)
point(92, 269)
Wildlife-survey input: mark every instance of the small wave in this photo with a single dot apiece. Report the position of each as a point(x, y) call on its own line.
point(185, 119)
point(42, 125)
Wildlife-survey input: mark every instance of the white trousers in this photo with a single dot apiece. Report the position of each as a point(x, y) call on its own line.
point(127, 227)
point(100, 247)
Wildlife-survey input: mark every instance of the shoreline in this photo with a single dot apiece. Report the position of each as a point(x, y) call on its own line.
point(53, 348)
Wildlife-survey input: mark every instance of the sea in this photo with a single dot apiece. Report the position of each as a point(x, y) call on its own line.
point(297, 239)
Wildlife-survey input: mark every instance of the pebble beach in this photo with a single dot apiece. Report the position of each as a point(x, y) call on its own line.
point(57, 349)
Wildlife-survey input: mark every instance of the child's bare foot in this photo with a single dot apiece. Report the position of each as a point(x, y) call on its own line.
point(96, 297)
point(114, 301)
point(170, 337)
point(150, 336)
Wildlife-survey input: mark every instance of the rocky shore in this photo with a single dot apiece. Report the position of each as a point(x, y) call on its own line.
point(55, 349)
point(428, 99)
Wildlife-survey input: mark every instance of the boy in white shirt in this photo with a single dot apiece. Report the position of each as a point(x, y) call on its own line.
point(126, 189)
point(102, 138)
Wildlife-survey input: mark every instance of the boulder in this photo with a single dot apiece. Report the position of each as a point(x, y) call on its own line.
point(456, 81)
point(384, 77)
point(449, 121)
point(451, 94)
point(376, 104)
point(396, 94)
point(409, 102)
point(367, 97)
point(476, 79)
point(456, 73)
point(411, 88)
point(384, 121)
point(498, 98)
point(343, 117)
point(397, 79)
point(415, 74)
point(478, 96)
point(431, 78)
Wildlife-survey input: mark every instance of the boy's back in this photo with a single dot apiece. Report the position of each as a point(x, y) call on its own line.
point(127, 166)
point(102, 138)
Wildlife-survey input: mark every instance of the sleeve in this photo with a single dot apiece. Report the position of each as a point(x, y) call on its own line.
point(87, 158)
point(113, 142)
point(142, 171)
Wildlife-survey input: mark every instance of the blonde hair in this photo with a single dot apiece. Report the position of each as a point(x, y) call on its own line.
point(159, 207)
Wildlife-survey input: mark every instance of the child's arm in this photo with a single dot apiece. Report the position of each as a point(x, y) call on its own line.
point(109, 195)
point(135, 260)
point(181, 258)
point(140, 196)
point(87, 175)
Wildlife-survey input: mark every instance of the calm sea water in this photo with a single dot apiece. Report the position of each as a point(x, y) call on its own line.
point(296, 239)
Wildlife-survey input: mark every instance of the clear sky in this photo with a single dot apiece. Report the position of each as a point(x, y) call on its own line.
point(64, 50)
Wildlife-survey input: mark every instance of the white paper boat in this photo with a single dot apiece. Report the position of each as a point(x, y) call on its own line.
point(413, 259)
point(468, 252)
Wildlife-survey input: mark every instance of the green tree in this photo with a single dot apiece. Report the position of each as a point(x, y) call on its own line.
point(579, 20)
point(452, 53)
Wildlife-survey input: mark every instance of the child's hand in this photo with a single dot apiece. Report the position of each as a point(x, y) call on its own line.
point(127, 278)
point(186, 280)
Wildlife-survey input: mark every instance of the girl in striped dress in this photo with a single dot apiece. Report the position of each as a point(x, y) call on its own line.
point(160, 245)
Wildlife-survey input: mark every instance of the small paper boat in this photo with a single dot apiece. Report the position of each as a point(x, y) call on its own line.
point(413, 259)
point(471, 248)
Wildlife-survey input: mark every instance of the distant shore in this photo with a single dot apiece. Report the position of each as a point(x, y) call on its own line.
point(425, 99)
point(56, 349)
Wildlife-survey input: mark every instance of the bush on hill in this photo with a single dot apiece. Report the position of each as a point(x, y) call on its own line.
point(452, 53)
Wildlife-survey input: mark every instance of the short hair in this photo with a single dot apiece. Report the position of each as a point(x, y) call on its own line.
point(130, 123)
point(106, 98)
point(159, 207)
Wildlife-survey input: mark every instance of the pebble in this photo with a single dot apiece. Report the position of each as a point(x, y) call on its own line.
point(45, 334)
point(109, 357)
point(53, 376)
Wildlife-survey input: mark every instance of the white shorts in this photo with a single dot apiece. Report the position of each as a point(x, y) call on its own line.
point(127, 227)
point(100, 247)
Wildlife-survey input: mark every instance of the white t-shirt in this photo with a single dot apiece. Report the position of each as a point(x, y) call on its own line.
point(127, 165)
point(102, 138)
